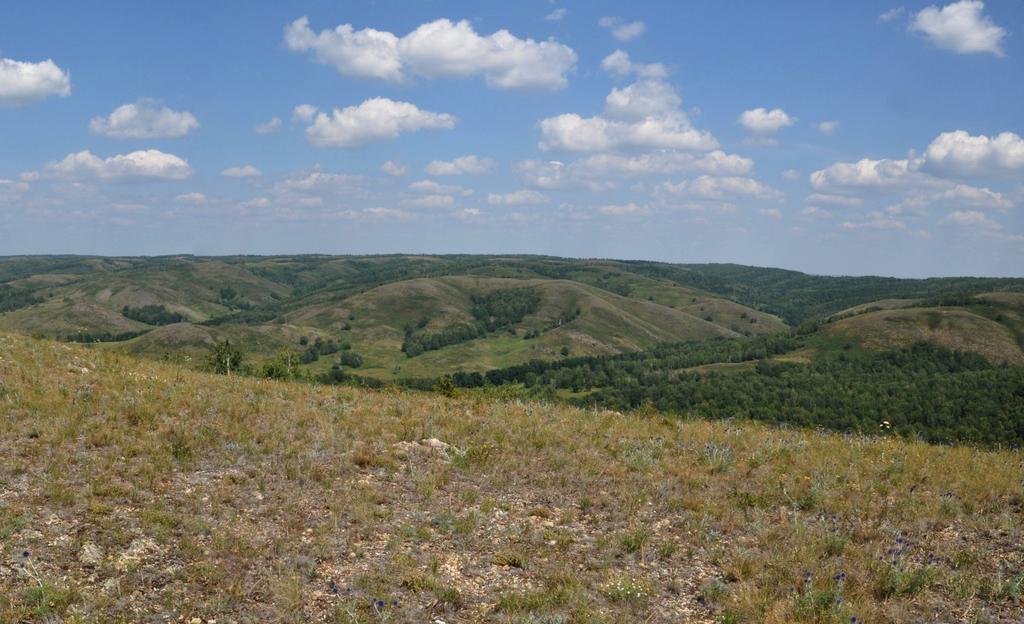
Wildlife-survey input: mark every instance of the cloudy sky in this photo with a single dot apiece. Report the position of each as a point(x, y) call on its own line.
point(831, 137)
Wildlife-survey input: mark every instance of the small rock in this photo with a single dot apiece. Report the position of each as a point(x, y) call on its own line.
point(139, 550)
point(91, 555)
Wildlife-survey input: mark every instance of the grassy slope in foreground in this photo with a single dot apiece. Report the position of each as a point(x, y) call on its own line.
point(144, 491)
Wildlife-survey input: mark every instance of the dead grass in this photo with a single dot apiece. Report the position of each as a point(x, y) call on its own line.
point(146, 492)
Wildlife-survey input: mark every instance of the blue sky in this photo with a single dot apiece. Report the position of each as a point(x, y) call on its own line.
point(845, 138)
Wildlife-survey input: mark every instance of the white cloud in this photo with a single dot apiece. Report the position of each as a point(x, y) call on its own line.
point(144, 164)
point(144, 119)
point(192, 198)
point(517, 198)
point(258, 202)
point(891, 14)
point(304, 113)
point(624, 209)
point(430, 201)
point(388, 213)
point(828, 128)
point(317, 181)
point(618, 63)
point(245, 171)
point(876, 221)
point(429, 186)
point(960, 27)
point(570, 132)
point(437, 49)
point(642, 100)
point(394, 168)
point(963, 194)
point(377, 119)
point(838, 200)
point(24, 82)
point(646, 114)
point(598, 171)
point(469, 165)
point(960, 154)
point(712, 187)
point(269, 127)
point(621, 29)
point(773, 213)
point(971, 218)
point(814, 212)
point(557, 15)
point(762, 124)
point(863, 173)
point(791, 174)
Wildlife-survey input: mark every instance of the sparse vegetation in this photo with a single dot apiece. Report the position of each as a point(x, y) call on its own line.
point(147, 491)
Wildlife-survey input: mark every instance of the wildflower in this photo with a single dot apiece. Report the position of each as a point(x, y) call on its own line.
point(25, 554)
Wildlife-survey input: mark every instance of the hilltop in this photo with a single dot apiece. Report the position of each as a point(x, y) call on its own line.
point(141, 490)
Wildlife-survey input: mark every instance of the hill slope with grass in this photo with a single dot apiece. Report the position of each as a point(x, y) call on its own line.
point(134, 490)
point(416, 316)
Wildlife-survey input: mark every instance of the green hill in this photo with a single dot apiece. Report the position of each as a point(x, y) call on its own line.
point(373, 306)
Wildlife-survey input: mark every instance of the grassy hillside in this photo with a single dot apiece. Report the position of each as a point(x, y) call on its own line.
point(140, 491)
point(267, 305)
point(953, 328)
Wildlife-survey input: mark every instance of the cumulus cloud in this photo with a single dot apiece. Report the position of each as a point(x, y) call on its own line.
point(712, 187)
point(863, 173)
point(965, 195)
point(434, 188)
point(960, 27)
point(761, 124)
point(773, 213)
point(24, 82)
point(144, 119)
point(524, 197)
point(621, 29)
point(557, 15)
point(837, 200)
point(192, 198)
point(388, 213)
point(971, 218)
point(646, 114)
point(304, 113)
point(624, 209)
point(828, 128)
point(960, 154)
point(437, 49)
point(377, 119)
point(245, 171)
point(618, 63)
point(394, 168)
point(815, 212)
point(318, 182)
point(950, 156)
point(875, 221)
point(141, 165)
point(269, 127)
point(470, 165)
point(599, 171)
point(430, 201)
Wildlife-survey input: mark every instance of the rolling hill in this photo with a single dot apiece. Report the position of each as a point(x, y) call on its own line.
point(178, 306)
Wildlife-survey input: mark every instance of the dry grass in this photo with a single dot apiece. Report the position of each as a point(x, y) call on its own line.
point(953, 328)
point(145, 492)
